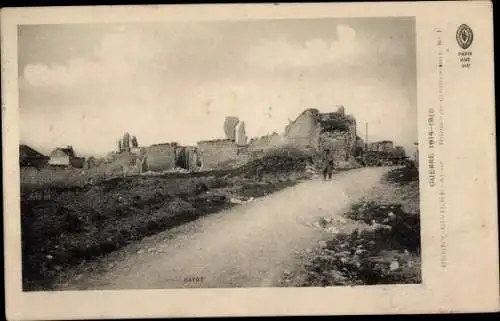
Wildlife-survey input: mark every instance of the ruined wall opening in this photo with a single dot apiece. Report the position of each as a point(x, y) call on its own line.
point(331, 125)
point(182, 159)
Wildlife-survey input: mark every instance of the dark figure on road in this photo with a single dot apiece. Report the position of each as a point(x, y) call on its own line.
point(328, 169)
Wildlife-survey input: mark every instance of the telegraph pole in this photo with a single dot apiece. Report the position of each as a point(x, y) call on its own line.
point(366, 134)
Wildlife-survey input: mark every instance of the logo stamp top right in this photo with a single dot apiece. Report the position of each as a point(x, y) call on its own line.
point(465, 36)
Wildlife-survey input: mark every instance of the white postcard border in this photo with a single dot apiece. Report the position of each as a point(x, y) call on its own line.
point(468, 283)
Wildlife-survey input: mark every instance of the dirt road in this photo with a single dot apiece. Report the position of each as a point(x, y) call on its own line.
point(248, 246)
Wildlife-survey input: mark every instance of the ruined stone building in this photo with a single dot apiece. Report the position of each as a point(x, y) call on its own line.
point(230, 127)
point(333, 132)
point(161, 157)
point(381, 146)
point(219, 153)
point(240, 134)
point(66, 156)
point(223, 153)
point(30, 157)
point(187, 158)
point(266, 142)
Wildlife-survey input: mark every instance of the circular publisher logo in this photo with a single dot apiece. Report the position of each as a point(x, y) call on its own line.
point(464, 36)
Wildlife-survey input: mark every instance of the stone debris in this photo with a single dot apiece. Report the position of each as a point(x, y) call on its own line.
point(332, 230)
point(235, 200)
point(394, 266)
point(383, 249)
point(322, 244)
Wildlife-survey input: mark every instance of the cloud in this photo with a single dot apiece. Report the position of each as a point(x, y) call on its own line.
point(312, 53)
point(347, 50)
point(118, 55)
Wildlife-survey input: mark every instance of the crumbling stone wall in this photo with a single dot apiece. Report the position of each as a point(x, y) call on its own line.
point(304, 131)
point(352, 137)
point(215, 154)
point(187, 158)
point(337, 143)
point(230, 127)
point(241, 135)
point(335, 132)
point(381, 146)
point(161, 157)
point(266, 142)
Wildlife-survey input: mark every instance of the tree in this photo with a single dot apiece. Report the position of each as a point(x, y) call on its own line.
point(120, 147)
point(134, 142)
point(126, 142)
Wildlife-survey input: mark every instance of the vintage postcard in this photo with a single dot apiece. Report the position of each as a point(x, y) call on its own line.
point(243, 160)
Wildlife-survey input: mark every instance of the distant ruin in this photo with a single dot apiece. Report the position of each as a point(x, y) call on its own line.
point(66, 156)
point(333, 132)
point(230, 127)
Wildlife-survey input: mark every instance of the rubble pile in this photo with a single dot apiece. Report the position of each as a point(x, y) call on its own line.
point(400, 227)
point(359, 259)
point(375, 243)
point(403, 175)
point(375, 253)
point(276, 163)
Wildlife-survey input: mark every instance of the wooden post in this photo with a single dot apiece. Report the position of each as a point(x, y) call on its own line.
point(366, 135)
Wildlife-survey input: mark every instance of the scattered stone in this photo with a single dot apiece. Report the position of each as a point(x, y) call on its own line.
point(322, 244)
point(359, 251)
point(49, 257)
point(200, 188)
point(140, 251)
point(150, 250)
point(337, 275)
point(394, 266)
point(332, 230)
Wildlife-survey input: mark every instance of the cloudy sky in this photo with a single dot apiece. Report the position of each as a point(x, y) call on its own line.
point(85, 85)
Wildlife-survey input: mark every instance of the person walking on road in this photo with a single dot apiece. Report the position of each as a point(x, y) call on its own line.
point(328, 167)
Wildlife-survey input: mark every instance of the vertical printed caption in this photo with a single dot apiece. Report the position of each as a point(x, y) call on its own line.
point(435, 142)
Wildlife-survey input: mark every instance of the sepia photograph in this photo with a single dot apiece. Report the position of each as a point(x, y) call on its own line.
point(161, 156)
point(240, 154)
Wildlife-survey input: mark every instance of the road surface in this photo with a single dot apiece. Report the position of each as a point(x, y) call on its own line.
point(247, 246)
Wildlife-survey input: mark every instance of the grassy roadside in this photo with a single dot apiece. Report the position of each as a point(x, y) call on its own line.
point(65, 225)
point(384, 246)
